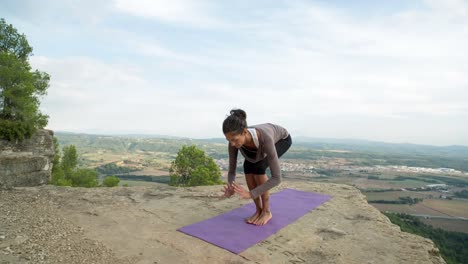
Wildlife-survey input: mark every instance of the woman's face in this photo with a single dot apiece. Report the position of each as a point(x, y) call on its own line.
point(236, 140)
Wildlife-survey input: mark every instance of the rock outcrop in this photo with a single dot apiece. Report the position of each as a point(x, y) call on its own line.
point(50, 224)
point(27, 163)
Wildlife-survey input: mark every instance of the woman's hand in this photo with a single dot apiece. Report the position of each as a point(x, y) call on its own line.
point(228, 190)
point(243, 193)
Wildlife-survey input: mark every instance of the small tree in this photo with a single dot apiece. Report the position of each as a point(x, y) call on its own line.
point(69, 159)
point(66, 173)
point(84, 178)
point(58, 176)
point(192, 167)
point(20, 87)
point(111, 181)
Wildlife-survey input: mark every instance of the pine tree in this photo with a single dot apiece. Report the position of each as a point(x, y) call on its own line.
point(20, 87)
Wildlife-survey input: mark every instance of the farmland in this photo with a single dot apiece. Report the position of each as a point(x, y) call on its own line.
point(383, 173)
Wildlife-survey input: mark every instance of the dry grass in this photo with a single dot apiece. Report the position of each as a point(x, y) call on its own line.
point(436, 207)
point(391, 196)
point(450, 207)
point(408, 209)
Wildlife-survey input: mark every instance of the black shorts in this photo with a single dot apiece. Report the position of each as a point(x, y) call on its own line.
point(260, 167)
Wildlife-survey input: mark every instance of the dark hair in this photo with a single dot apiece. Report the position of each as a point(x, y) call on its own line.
point(236, 122)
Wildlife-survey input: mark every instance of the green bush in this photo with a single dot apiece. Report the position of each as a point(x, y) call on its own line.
point(58, 177)
point(111, 181)
point(462, 194)
point(192, 168)
point(65, 173)
point(84, 178)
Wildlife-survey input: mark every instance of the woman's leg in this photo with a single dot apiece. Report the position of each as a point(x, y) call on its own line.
point(251, 183)
point(265, 215)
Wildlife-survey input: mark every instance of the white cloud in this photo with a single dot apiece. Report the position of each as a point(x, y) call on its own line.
point(453, 8)
point(186, 12)
point(88, 95)
point(320, 71)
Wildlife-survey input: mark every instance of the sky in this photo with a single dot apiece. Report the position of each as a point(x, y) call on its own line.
point(393, 71)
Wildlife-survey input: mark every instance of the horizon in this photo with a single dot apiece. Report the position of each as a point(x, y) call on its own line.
point(123, 134)
point(387, 72)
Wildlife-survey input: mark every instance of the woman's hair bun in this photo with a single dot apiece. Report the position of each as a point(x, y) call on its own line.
point(239, 113)
point(236, 122)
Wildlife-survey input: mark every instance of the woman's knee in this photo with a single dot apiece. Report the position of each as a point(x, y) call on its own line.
point(261, 178)
point(250, 180)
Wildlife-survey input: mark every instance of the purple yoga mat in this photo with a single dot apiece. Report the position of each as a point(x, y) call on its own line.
point(229, 231)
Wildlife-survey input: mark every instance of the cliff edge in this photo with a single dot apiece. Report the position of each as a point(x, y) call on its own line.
point(50, 224)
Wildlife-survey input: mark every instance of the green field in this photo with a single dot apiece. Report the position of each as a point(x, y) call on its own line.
point(393, 196)
point(449, 207)
point(434, 207)
point(450, 225)
point(143, 161)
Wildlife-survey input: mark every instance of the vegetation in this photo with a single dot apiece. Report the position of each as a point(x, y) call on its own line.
point(401, 200)
point(66, 173)
point(328, 172)
point(111, 181)
point(379, 190)
point(20, 87)
point(420, 178)
point(158, 179)
point(450, 181)
point(371, 154)
point(112, 168)
point(452, 245)
point(69, 159)
point(192, 168)
point(84, 178)
point(462, 194)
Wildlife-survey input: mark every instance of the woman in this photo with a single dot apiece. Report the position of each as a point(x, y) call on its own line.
point(261, 145)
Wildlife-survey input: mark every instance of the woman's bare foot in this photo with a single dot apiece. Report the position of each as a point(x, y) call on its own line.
point(264, 217)
point(254, 217)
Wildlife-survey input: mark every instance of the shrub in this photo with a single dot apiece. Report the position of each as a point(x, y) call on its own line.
point(111, 181)
point(84, 178)
point(192, 168)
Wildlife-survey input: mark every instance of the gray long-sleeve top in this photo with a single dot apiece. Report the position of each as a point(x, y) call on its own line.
point(269, 134)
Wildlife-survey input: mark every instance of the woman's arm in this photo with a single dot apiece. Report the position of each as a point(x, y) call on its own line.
point(274, 165)
point(233, 151)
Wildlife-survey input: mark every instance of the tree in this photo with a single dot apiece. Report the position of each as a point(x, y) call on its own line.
point(69, 159)
point(20, 87)
point(84, 178)
point(111, 181)
point(192, 167)
point(58, 175)
point(56, 162)
point(65, 172)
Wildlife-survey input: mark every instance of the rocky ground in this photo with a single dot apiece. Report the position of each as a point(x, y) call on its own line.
point(32, 230)
point(50, 224)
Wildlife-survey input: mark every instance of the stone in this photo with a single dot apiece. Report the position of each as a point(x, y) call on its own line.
point(28, 162)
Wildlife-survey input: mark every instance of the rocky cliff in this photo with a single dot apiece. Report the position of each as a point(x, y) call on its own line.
point(27, 163)
point(50, 224)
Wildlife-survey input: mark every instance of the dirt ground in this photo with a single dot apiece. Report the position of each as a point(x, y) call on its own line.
point(50, 224)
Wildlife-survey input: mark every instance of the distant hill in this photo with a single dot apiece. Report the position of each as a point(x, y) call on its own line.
point(383, 147)
point(130, 143)
point(360, 152)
